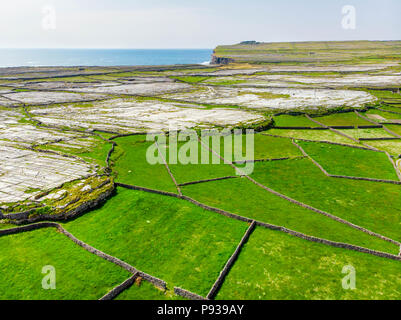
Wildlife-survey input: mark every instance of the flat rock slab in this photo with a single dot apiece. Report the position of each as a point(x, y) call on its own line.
point(59, 85)
point(140, 88)
point(355, 81)
point(229, 72)
point(297, 98)
point(47, 97)
point(132, 116)
point(25, 170)
point(7, 102)
point(332, 68)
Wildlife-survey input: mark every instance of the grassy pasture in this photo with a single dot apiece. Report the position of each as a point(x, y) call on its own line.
point(131, 167)
point(265, 147)
point(146, 291)
point(343, 119)
point(386, 115)
point(367, 133)
point(315, 135)
point(393, 147)
point(372, 205)
point(274, 266)
point(392, 107)
point(168, 238)
point(201, 166)
point(394, 127)
point(340, 160)
point(80, 275)
point(286, 120)
point(385, 94)
point(242, 197)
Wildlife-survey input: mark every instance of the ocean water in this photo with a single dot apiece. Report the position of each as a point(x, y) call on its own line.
point(102, 57)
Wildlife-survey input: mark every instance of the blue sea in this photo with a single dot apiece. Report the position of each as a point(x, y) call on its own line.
point(102, 57)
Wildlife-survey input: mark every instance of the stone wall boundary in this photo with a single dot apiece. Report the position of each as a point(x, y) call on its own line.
point(31, 227)
point(187, 294)
point(324, 141)
point(58, 153)
point(348, 177)
point(219, 211)
point(159, 283)
point(97, 252)
point(387, 154)
point(123, 135)
point(207, 180)
point(113, 293)
point(301, 204)
point(365, 179)
point(379, 139)
point(292, 232)
point(397, 171)
point(310, 158)
point(329, 215)
point(334, 130)
point(155, 281)
point(216, 286)
point(329, 242)
point(179, 291)
point(378, 126)
point(299, 128)
point(41, 124)
point(267, 160)
point(113, 145)
point(383, 126)
point(137, 188)
point(168, 169)
point(389, 111)
point(24, 217)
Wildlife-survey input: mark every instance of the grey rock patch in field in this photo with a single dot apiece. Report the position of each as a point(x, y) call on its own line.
point(296, 98)
point(152, 88)
point(332, 68)
point(355, 81)
point(48, 97)
point(24, 170)
point(8, 102)
point(131, 116)
point(59, 85)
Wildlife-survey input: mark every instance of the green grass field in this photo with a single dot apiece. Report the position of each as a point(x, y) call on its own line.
point(395, 128)
point(340, 160)
point(275, 266)
point(80, 275)
point(393, 147)
point(384, 114)
point(146, 291)
point(314, 135)
point(242, 197)
point(168, 238)
point(369, 204)
point(343, 119)
point(367, 133)
point(131, 167)
point(286, 120)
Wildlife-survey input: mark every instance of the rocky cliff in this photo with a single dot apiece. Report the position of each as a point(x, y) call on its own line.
point(221, 60)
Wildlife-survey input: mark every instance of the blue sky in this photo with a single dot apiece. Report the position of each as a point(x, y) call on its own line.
point(189, 24)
